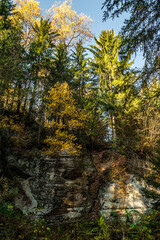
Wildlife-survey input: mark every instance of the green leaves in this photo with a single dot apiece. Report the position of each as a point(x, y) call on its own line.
point(6, 7)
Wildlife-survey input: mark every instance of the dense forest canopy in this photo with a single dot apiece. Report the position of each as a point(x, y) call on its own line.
point(56, 99)
point(41, 57)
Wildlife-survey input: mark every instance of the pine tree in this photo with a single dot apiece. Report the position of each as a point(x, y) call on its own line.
point(115, 80)
point(80, 69)
point(61, 71)
point(12, 56)
point(140, 31)
point(40, 53)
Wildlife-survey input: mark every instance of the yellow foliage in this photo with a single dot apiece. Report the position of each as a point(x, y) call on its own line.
point(69, 24)
point(66, 119)
point(19, 137)
point(10, 97)
point(27, 13)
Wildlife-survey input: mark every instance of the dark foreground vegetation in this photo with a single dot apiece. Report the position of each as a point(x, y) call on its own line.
point(14, 226)
point(54, 98)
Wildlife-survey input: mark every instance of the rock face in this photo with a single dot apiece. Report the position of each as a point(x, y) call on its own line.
point(132, 199)
point(65, 188)
point(55, 188)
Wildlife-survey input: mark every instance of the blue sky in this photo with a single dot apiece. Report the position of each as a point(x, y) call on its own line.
point(92, 8)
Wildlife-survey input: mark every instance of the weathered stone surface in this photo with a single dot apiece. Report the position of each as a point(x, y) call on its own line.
point(26, 202)
point(54, 188)
point(132, 198)
point(65, 188)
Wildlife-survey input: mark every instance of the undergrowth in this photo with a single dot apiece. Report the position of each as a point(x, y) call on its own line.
point(15, 226)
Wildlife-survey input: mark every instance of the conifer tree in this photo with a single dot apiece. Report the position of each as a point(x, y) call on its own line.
point(40, 54)
point(80, 69)
point(140, 31)
point(115, 80)
point(61, 69)
point(12, 55)
point(6, 7)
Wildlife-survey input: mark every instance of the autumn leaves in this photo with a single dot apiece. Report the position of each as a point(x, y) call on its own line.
point(70, 26)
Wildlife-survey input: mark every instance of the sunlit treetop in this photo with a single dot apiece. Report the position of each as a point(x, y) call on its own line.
point(27, 13)
point(29, 9)
point(71, 26)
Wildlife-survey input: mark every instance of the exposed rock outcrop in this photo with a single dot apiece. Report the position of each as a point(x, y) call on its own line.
point(64, 188)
